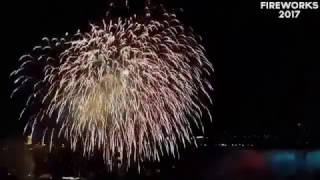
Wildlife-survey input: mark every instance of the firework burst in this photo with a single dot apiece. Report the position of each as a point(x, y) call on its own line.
point(129, 89)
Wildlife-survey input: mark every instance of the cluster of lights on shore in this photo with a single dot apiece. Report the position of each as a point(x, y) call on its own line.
point(235, 145)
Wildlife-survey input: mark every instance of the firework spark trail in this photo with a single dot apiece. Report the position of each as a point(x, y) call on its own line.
point(127, 87)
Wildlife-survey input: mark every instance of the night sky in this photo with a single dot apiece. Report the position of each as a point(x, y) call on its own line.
point(267, 70)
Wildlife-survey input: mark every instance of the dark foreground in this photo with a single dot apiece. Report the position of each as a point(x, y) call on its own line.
point(22, 162)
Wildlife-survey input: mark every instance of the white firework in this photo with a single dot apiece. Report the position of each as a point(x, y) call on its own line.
point(129, 89)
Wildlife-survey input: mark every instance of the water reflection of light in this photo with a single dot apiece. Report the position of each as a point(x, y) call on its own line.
point(283, 162)
point(313, 160)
